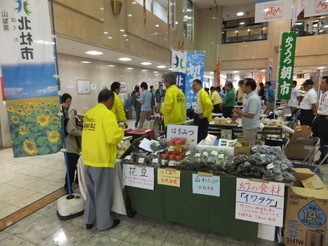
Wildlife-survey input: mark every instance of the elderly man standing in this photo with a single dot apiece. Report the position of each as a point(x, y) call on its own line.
point(309, 103)
point(203, 109)
point(174, 109)
point(250, 114)
point(101, 133)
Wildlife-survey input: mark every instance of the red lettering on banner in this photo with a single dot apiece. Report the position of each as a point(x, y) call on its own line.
point(273, 11)
point(322, 5)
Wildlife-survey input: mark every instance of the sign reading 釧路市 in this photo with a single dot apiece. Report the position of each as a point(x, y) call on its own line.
point(261, 202)
point(205, 184)
point(183, 131)
point(286, 65)
point(140, 177)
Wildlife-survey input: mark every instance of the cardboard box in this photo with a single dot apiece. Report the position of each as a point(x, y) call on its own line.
point(306, 211)
point(245, 149)
point(302, 132)
point(299, 149)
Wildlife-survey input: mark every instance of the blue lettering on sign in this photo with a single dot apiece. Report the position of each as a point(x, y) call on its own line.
point(312, 215)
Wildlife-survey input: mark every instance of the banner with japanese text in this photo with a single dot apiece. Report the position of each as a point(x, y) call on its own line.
point(286, 65)
point(272, 10)
point(188, 66)
point(195, 70)
point(315, 8)
point(28, 69)
point(138, 176)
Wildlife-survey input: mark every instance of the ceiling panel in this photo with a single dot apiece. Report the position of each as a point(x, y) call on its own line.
point(202, 4)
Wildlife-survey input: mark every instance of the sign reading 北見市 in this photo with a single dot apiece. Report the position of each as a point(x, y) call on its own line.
point(28, 69)
point(286, 65)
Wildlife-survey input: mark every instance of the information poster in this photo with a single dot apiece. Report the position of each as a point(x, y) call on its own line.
point(138, 176)
point(260, 201)
point(206, 184)
point(170, 177)
point(183, 131)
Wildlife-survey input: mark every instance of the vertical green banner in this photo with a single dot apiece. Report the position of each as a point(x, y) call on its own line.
point(286, 65)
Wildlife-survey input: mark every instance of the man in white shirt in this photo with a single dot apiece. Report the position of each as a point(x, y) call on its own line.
point(294, 98)
point(309, 103)
point(320, 123)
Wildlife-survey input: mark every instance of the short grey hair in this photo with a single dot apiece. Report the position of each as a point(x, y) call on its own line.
point(170, 77)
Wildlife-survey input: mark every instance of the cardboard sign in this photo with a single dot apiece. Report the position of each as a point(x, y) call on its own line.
point(138, 176)
point(206, 184)
point(260, 201)
point(184, 131)
point(168, 176)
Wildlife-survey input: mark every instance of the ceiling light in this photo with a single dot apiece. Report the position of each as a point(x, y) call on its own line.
point(129, 68)
point(124, 59)
point(240, 13)
point(86, 62)
point(105, 32)
point(155, 71)
point(144, 70)
point(321, 68)
point(242, 23)
point(157, 25)
point(109, 37)
point(134, 2)
point(127, 39)
point(101, 8)
point(129, 15)
point(122, 30)
point(111, 65)
point(161, 66)
point(298, 24)
point(145, 63)
point(125, 35)
point(263, 70)
point(176, 23)
point(94, 53)
point(235, 72)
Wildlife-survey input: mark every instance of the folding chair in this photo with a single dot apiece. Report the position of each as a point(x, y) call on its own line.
point(324, 152)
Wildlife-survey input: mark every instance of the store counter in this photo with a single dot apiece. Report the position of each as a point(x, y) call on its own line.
point(215, 214)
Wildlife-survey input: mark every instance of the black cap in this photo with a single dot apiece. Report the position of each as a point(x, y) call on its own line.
point(308, 82)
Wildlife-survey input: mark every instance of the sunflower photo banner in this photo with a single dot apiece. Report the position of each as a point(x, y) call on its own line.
point(28, 69)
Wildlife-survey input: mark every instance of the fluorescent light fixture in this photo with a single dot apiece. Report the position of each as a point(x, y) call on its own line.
point(94, 53)
point(161, 66)
point(122, 30)
point(144, 70)
point(298, 24)
point(240, 13)
point(129, 68)
point(321, 68)
point(145, 63)
point(124, 59)
point(86, 62)
point(111, 65)
point(242, 23)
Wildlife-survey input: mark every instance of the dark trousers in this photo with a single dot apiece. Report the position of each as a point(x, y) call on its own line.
point(227, 111)
point(202, 127)
point(320, 129)
point(217, 108)
point(306, 117)
point(72, 162)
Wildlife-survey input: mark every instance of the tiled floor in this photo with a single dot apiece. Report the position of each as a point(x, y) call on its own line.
point(26, 180)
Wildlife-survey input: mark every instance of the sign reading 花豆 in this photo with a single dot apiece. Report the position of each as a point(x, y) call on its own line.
point(260, 201)
point(138, 176)
point(286, 65)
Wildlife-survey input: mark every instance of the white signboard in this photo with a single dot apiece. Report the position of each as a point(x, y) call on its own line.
point(178, 61)
point(183, 131)
point(261, 202)
point(298, 7)
point(273, 10)
point(205, 184)
point(316, 7)
point(138, 176)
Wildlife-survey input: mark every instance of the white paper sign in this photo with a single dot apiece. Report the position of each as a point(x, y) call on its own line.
point(206, 185)
point(273, 10)
point(137, 176)
point(183, 131)
point(261, 202)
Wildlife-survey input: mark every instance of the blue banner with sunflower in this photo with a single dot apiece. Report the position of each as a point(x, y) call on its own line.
point(28, 69)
